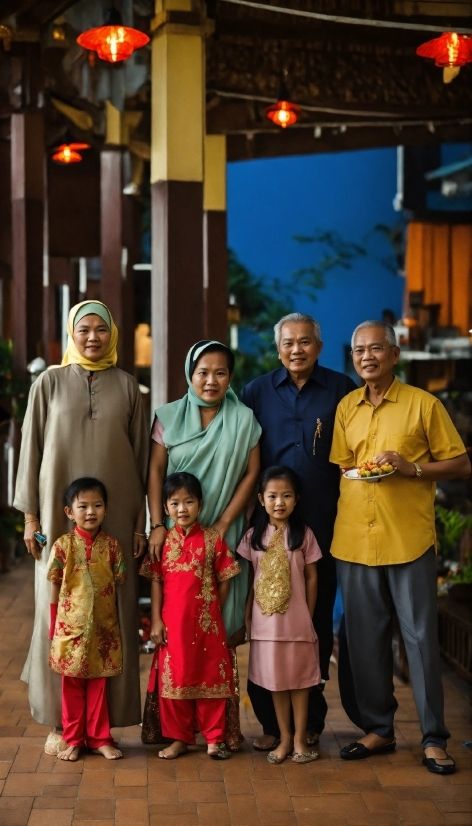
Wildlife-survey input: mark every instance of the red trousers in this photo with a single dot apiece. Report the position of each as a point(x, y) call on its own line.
point(85, 712)
point(180, 717)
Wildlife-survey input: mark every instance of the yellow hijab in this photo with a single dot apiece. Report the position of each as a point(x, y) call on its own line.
point(72, 355)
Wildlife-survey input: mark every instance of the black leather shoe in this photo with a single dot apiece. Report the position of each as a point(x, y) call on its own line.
point(357, 751)
point(433, 766)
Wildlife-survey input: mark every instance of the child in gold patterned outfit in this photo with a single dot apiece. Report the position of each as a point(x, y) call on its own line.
point(84, 569)
point(284, 647)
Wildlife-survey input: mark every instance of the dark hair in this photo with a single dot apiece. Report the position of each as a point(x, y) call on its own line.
point(176, 481)
point(260, 517)
point(85, 483)
point(212, 348)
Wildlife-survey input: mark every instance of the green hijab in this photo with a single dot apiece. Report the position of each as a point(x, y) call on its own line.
point(218, 457)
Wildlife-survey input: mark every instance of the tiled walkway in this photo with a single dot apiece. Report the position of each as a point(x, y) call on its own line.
point(142, 790)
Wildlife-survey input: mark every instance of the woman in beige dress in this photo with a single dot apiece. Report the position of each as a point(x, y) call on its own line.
point(84, 419)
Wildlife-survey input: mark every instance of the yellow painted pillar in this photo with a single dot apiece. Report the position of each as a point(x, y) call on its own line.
point(215, 256)
point(177, 159)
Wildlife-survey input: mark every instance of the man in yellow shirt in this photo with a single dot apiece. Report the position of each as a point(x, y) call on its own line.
point(384, 540)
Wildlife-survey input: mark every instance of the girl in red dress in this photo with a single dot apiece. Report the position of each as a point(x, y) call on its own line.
point(190, 584)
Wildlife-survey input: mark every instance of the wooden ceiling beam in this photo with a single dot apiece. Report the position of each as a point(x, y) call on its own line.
point(229, 114)
point(314, 30)
point(302, 141)
point(13, 7)
point(45, 11)
point(324, 73)
point(34, 12)
point(343, 13)
point(434, 8)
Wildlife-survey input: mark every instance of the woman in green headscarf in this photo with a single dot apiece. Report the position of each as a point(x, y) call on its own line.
point(211, 434)
point(84, 419)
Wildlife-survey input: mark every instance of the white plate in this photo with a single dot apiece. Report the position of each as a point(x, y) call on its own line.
point(352, 474)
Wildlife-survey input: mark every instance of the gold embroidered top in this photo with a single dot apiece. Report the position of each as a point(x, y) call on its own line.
point(273, 589)
point(86, 639)
point(195, 662)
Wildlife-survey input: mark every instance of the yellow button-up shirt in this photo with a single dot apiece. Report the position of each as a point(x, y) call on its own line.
point(391, 521)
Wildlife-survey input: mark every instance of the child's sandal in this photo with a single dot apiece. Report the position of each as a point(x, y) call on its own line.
point(272, 758)
point(222, 753)
point(304, 757)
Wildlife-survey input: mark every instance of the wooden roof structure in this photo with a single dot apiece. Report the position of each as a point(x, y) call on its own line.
point(75, 231)
point(350, 64)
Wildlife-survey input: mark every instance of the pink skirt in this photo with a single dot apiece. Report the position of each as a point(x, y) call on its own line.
point(284, 666)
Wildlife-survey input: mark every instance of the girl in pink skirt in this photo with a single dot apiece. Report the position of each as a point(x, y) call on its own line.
point(284, 646)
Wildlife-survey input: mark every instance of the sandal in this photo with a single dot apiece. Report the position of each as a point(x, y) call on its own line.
point(304, 757)
point(54, 743)
point(357, 751)
point(312, 738)
point(267, 748)
point(222, 753)
point(272, 758)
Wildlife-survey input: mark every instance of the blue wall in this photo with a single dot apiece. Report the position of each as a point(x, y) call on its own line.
point(270, 201)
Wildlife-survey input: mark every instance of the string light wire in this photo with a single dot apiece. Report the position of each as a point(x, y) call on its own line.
point(351, 21)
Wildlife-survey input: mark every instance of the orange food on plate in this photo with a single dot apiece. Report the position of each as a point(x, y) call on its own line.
point(366, 469)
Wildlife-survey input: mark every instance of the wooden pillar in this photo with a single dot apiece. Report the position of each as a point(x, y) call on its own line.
point(178, 128)
point(117, 272)
point(215, 255)
point(27, 187)
point(71, 231)
point(5, 239)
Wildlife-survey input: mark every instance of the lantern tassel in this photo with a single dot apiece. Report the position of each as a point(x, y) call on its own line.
point(450, 72)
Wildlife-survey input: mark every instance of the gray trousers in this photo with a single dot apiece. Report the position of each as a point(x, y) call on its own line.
point(370, 595)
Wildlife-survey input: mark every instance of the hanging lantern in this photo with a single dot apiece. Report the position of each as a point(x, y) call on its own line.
point(113, 41)
point(68, 152)
point(283, 113)
point(450, 51)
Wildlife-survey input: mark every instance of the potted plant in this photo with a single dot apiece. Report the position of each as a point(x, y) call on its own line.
point(14, 389)
point(451, 526)
point(460, 583)
point(11, 531)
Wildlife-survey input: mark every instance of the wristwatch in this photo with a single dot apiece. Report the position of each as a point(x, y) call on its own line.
point(418, 469)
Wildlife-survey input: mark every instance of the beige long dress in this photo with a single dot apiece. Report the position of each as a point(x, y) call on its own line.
point(76, 428)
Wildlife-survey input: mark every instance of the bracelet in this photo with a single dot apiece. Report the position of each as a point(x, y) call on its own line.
point(136, 533)
point(31, 520)
point(158, 525)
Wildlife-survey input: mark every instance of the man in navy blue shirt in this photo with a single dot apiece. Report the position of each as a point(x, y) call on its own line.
point(295, 406)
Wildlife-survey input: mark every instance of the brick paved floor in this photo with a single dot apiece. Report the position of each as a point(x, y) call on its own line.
point(141, 790)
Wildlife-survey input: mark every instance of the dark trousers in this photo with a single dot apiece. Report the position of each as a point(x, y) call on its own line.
point(261, 698)
point(370, 596)
point(345, 679)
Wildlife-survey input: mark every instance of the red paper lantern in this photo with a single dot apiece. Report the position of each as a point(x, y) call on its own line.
point(450, 49)
point(113, 41)
point(68, 152)
point(283, 113)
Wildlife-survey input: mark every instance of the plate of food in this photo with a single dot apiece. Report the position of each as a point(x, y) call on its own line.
point(370, 472)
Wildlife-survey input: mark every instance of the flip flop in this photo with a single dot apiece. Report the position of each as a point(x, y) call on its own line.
point(304, 757)
point(267, 748)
